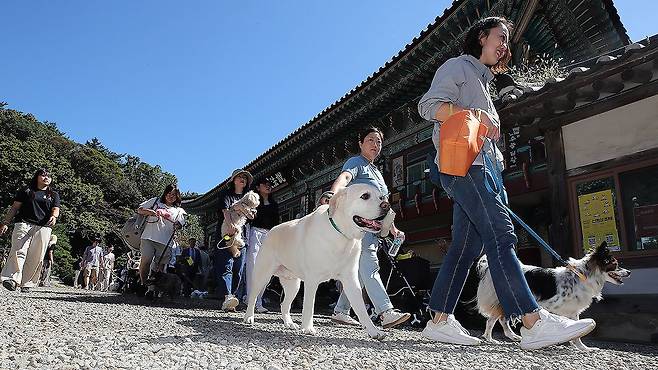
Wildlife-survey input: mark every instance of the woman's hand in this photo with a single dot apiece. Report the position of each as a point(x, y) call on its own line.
point(52, 221)
point(394, 231)
point(231, 230)
point(493, 131)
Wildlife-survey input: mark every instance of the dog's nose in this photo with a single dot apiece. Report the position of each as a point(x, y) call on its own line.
point(385, 206)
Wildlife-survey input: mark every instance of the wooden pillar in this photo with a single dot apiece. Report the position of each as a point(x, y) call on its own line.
point(560, 230)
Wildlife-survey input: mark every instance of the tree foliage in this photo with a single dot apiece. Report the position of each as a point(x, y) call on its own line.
point(99, 188)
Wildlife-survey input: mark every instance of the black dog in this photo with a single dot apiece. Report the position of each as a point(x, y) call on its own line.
point(169, 284)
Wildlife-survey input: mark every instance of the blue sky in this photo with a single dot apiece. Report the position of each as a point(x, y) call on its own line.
point(204, 88)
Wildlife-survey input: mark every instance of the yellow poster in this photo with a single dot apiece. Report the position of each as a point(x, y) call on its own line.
point(597, 220)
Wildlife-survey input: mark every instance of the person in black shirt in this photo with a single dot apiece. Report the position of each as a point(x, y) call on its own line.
point(267, 216)
point(226, 266)
point(76, 269)
point(48, 260)
point(35, 210)
point(188, 265)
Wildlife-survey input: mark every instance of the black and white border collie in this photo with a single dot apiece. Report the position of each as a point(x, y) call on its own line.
point(558, 290)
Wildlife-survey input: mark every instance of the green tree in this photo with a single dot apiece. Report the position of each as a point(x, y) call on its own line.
point(99, 188)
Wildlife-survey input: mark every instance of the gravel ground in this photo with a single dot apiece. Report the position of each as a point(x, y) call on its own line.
point(60, 328)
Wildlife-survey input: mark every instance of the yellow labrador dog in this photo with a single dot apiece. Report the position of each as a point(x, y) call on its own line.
point(323, 245)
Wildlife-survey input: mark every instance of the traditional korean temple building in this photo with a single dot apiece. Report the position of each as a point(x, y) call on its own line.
point(574, 147)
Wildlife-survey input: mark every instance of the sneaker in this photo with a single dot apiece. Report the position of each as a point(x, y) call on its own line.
point(9, 285)
point(393, 317)
point(230, 303)
point(553, 329)
point(449, 331)
point(262, 309)
point(344, 318)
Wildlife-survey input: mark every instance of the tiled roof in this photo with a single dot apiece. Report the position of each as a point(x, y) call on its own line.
point(518, 95)
point(428, 50)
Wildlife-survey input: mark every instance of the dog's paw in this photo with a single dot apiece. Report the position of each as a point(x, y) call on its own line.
point(249, 320)
point(291, 325)
point(514, 337)
point(490, 340)
point(377, 334)
point(582, 347)
point(310, 331)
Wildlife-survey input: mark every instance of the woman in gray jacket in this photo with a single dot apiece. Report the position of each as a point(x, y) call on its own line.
point(480, 221)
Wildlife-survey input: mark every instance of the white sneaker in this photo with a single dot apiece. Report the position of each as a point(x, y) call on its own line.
point(553, 329)
point(394, 317)
point(230, 303)
point(262, 309)
point(343, 318)
point(449, 331)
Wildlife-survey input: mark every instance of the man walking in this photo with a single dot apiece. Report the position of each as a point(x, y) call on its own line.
point(92, 261)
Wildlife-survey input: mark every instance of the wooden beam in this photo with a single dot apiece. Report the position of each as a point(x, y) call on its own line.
point(607, 86)
point(637, 75)
point(582, 95)
point(524, 21)
point(600, 106)
point(560, 229)
point(559, 105)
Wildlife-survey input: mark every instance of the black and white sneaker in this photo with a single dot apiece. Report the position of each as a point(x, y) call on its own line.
point(9, 285)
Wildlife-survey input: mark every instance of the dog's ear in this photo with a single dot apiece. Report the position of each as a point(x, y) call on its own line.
point(336, 200)
point(602, 249)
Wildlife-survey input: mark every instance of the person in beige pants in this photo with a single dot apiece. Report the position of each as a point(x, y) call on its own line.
point(35, 211)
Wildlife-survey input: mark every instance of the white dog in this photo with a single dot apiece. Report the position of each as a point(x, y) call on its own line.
point(323, 245)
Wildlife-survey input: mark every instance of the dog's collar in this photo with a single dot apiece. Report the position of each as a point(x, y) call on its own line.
point(333, 223)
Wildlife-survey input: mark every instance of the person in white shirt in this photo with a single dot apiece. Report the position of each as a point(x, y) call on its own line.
point(175, 252)
point(91, 261)
point(164, 217)
point(106, 269)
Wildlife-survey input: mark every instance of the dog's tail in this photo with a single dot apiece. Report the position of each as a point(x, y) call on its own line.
point(486, 298)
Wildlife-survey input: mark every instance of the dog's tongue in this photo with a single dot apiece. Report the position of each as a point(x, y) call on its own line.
point(371, 224)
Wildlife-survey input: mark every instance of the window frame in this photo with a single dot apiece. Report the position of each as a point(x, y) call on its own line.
point(418, 154)
point(613, 172)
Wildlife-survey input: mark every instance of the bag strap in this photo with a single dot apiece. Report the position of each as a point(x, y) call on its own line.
point(141, 225)
point(477, 112)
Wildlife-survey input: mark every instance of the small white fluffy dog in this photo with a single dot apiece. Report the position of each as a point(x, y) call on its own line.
point(236, 216)
point(313, 250)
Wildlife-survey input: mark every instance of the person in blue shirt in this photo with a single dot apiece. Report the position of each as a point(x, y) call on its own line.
point(361, 169)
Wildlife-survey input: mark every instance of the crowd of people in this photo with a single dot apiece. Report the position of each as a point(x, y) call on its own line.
point(480, 222)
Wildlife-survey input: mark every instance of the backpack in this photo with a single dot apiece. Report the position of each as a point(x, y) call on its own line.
point(131, 232)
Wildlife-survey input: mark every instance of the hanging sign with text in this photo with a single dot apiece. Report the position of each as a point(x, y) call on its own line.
point(597, 220)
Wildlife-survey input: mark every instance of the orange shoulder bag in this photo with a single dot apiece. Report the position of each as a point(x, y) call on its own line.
point(461, 138)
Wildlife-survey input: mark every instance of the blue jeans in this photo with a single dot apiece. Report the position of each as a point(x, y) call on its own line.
point(226, 267)
point(369, 277)
point(480, 222)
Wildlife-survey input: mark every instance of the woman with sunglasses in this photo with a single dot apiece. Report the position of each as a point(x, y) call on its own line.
point(35, 210)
